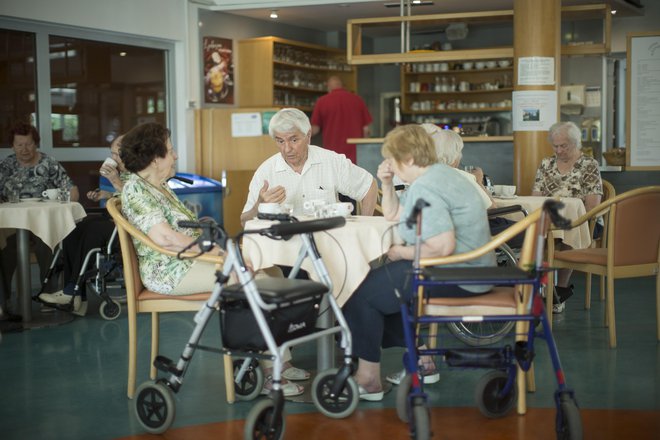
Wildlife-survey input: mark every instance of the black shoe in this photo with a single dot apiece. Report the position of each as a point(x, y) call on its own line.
point(563, 293)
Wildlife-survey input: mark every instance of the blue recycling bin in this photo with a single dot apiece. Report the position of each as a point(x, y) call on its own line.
point(203, 196)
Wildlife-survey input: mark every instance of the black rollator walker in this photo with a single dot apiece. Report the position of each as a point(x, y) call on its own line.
point(519, 289)
point(270, 314)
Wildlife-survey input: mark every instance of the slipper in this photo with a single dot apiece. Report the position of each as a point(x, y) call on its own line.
point(288, 389)
point(430, 377)
point(370, 397)
point(293, 373)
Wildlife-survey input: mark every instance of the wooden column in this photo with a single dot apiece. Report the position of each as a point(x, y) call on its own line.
point(537, 31)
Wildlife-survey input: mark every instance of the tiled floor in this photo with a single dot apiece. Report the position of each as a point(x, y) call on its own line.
point(69, 382)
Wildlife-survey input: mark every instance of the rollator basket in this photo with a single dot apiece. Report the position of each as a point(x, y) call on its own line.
point(297, 301)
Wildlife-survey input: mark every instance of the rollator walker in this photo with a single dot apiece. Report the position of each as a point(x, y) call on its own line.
point(516, 297)
point(260, 319)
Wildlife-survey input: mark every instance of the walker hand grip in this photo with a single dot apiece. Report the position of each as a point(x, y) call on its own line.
point(288, 229)
point(552, 207)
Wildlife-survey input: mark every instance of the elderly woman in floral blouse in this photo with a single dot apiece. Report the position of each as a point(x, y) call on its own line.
point(150, 205)
point(568, 173)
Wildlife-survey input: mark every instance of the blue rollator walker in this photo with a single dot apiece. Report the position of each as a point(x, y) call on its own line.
point(270, 314)
point(518, 298)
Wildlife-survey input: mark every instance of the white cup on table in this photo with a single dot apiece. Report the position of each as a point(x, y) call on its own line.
point(51, 193)
point(110, 162)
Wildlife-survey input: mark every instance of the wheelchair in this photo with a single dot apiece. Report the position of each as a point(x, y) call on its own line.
point(256, 316)
point(101, 272)
point(497, 391)
point(490, 332)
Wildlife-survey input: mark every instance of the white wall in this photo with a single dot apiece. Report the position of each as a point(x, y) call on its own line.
point(622, 25)
point(166, 20)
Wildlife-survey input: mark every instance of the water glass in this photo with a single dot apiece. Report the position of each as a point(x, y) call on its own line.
point(13, 196)
point(65, 195)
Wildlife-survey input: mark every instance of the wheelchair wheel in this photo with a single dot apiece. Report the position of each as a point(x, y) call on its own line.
point(110, 310)
point(259, 420)
point(402, 398)
point(490, 402)
point(337, 407)
point(486, 333)
point(252, 382)
point(422, 422)
point(480, 333)
point(154, 407)
point(569, 422)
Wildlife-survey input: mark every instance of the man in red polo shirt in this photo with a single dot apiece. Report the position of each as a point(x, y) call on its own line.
point(340, 115)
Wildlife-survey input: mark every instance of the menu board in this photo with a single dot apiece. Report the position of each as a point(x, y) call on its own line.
point(643, 101)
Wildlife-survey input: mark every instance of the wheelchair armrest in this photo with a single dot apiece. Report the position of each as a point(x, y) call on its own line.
point(496, 212)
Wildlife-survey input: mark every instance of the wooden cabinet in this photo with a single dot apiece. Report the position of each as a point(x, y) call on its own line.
point(468, 94)
point(278, 72)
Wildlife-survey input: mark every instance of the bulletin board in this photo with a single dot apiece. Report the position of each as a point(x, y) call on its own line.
point(643, 101)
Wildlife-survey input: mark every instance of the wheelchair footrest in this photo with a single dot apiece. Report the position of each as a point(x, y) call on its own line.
point(479, 357)
point(166, 365)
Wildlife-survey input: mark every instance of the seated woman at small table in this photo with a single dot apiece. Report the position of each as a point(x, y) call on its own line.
point(455, 222)
point(29, 172)
point(94, 231)
point(568, 173)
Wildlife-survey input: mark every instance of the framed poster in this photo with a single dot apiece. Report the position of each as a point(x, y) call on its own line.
point(218, 70)
point(643, 101)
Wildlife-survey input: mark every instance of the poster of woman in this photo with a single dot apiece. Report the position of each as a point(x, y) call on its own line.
point(218, 71)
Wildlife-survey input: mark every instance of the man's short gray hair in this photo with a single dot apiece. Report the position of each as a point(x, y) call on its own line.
point(568, 128)
point(448, 144)
point(289, 120)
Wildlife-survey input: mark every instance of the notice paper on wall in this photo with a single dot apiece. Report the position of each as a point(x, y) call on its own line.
point(534, 110)
point(245, 124)
point(536, 71)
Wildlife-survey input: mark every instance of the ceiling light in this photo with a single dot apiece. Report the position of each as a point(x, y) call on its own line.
point(613, 12)
point(122, 54)
point(412, 3)
point(273, 14)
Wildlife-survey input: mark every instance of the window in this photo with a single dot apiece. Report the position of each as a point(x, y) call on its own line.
point(80, 88)
point(17, 78)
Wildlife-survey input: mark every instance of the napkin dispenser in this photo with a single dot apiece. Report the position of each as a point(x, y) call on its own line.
point(572, 99)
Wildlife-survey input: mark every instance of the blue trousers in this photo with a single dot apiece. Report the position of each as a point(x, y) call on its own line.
point(373, 312)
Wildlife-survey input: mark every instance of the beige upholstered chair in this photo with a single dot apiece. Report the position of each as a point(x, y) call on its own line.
point(632, 246)
point(141, 300)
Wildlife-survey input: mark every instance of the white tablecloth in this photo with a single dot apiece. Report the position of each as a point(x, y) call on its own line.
point(49, 220)
point(577, 238)
point(346, 251)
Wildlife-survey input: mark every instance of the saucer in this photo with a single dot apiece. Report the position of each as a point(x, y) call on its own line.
point(32, 199)
point(506, 197)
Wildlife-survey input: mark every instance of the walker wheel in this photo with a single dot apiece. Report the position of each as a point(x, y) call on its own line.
point(569, 422)
point(421, 422)
point(490, 400)
point(402, 399)
point(154, 407)
point(259, 423)
point(336, 407)
point(110, 310)
point(252, 381)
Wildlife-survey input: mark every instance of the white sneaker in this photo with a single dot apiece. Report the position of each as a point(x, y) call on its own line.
point(62, 298)
point(558, 308)
point(81, 309)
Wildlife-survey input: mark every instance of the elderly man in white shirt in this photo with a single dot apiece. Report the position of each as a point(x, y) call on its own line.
point(302, 172)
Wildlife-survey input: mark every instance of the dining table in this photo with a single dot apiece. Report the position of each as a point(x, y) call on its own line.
point(348, 253)
point(51, 221)
point(577, 238)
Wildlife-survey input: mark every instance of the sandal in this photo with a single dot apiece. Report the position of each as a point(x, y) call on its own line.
point(288, 389)
point(426, 370)
point(370, 397)
point(296, 374)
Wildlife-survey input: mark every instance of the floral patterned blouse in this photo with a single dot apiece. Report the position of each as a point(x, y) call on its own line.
point(144, 206)
point(32, 181)
point(581, 181)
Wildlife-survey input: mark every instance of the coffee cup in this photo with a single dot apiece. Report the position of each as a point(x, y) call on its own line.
point(110, 162)
point(51, 194)
point(342, 209)
point(269, 208)
point(508, 190)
